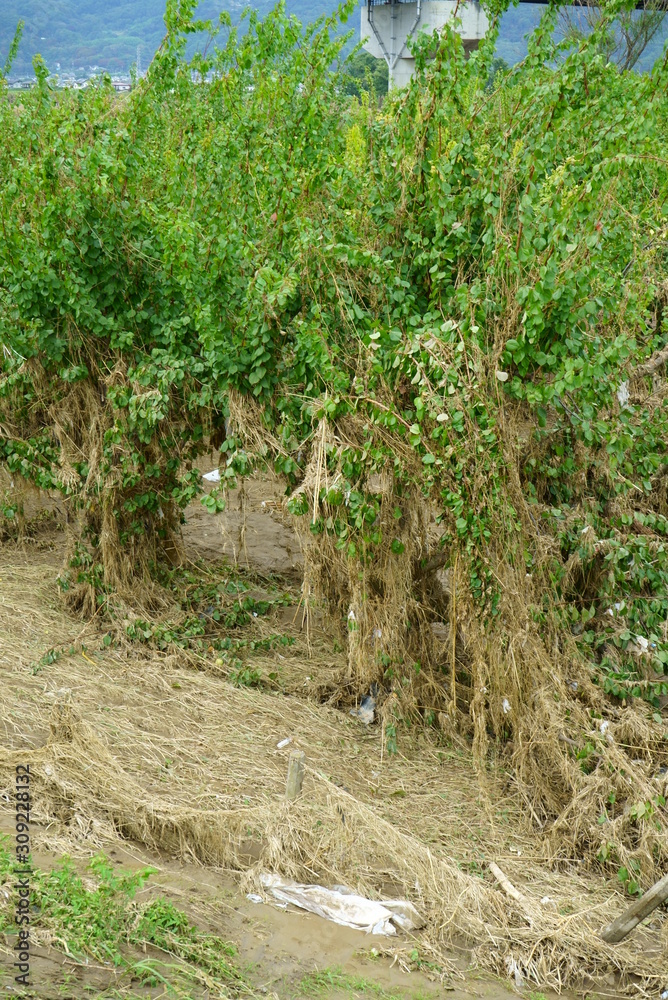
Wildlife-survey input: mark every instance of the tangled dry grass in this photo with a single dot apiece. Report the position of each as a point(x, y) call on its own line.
point(591, 772)
point(152, 750)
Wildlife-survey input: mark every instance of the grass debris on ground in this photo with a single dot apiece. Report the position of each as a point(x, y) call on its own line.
point(166, 748)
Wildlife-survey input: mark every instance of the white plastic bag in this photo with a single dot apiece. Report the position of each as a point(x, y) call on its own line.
point(346, 908)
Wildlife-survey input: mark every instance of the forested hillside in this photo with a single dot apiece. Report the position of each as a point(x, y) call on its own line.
point(78, 33)
point(83, 33)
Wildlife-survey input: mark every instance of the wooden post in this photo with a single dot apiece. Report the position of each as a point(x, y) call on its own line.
point(295, 774)
point(636, 912)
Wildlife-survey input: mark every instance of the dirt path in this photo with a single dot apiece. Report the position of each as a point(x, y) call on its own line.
point(284, 952)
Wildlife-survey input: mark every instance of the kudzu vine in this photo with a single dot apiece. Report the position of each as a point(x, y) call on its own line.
point(472, 275)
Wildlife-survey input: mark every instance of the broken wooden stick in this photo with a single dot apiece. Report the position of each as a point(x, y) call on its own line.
point(507, 885)
point(511, 891)
point(636, 912)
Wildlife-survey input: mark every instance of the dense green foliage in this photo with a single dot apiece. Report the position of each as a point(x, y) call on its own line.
point(460, 295)
point(160, 253)
point(77, 34)
point(365, 72)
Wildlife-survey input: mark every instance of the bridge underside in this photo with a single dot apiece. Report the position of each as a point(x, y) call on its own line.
point(388, 25)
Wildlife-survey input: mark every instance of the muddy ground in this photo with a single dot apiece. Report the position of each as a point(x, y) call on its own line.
point(174, 732)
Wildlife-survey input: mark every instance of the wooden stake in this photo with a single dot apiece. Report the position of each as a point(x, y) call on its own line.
point(636, 912)
point(295, 774)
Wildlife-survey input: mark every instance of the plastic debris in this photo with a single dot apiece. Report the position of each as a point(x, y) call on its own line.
point(623, 395)
point(283, 743)
point(515, 971)
point(377, 633)
point(366, 712)
point(254, 898)
point(213, 476)
point(60, 694)
point(502, 376)
point(664, 995)
point(351, 616)
point(605, 725)
point(505, 705)
point(346, 908)
point(640, 646)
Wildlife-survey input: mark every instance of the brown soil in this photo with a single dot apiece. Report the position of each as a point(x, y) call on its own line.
point(253, 531)
point(181, 738)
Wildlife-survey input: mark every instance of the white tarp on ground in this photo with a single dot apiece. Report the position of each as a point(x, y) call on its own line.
point(345, 907)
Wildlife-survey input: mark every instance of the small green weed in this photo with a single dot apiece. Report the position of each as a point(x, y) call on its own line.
point(51, 656)
point(391, 738)
point(107, 923)
point(245, 676)
point(317, 983)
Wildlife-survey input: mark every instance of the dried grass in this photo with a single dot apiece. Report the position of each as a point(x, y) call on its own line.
point(179, 760)
point(517, 675)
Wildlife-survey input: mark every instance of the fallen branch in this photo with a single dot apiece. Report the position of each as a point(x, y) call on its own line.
point(636, 912)
point(510, 890)
point(649, 367)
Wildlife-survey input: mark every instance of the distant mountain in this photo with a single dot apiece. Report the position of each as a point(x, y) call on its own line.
point(79, 34)
point(106, 33)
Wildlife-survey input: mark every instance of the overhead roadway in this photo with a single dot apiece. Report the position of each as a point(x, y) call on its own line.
point(387, 26)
